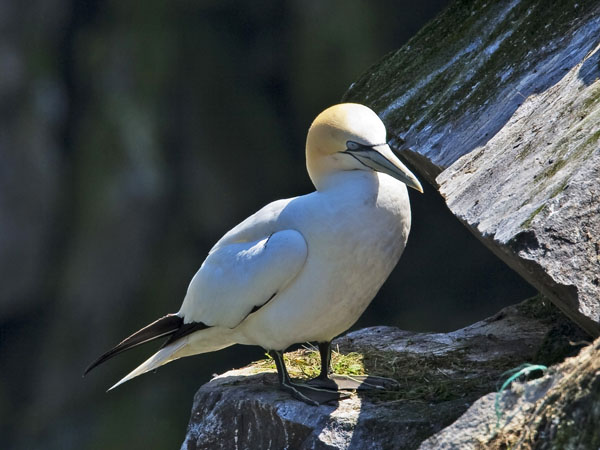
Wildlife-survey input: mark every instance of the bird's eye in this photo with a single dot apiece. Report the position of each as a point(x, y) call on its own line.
point(350, 145)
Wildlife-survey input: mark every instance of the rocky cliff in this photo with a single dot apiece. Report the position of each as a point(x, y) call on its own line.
point(496, 104)
point(557, 411)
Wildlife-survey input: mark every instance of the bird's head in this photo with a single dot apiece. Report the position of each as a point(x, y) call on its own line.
point(350, 136)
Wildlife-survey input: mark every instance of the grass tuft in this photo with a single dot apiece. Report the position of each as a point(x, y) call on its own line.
point(305, 363)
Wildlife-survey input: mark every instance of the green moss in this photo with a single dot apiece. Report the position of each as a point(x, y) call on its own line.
point(527, 222)
point(433, 378)
point(436, 378)
point(463, 31)
point(305, 363)
point(591, 140)
point(562, 340)
point(421, 378)
point(564, 156)
point(560, 188)
point(573, 412)
point(539, 308)
point(525, 151)
point(553, 168)
point(593, 100)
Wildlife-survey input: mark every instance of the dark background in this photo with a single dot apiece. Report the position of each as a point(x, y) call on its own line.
point(132, 136)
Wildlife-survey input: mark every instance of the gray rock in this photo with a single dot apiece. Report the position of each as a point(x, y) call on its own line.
point(498, 105)
point(559, 410)
point(439, 376)
point(533, 197)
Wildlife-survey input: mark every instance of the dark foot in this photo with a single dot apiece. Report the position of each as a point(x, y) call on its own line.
point(350, 382)
point(313, 395)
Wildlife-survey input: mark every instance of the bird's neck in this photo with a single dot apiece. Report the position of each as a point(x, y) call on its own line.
point(348, 181)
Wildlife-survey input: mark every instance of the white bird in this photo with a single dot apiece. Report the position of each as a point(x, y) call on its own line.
point(300, 269)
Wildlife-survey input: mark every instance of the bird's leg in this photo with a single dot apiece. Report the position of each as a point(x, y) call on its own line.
point(308, 394)
point(325, 352)
point(326, 380)
point(323, 380)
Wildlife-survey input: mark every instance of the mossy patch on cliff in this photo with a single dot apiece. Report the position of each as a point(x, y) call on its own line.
point(426, 378)
point(466, 58)
point(436, 377)
point(305, 363)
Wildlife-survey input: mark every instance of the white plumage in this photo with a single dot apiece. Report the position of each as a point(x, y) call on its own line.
point(302, 269)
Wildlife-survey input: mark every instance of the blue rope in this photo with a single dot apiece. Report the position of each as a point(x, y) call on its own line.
point(523, 369)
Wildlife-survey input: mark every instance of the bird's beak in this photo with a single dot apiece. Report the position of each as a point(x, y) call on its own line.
point(382, 159)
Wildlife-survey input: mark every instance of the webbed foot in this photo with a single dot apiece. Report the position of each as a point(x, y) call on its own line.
point(353, 382)
point(313, 395)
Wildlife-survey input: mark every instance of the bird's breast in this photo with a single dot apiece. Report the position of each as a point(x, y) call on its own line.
point(354, 239)
point(367, 223)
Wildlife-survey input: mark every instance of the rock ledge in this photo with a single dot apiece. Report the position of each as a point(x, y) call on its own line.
point(440, 376)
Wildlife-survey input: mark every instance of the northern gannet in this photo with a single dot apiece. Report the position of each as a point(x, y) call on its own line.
point(300, 269)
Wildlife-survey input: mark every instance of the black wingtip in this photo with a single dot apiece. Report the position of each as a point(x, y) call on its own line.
point(109, 354)
point(97, 363)
point(165, 326)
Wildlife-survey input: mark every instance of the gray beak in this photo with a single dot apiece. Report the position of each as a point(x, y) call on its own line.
point(381, 159)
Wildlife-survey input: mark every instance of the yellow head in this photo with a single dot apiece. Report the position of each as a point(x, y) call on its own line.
point(350, 136)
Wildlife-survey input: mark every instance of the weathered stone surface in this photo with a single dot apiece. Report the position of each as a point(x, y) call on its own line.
point(498, 104)
point(439, 376)
point(560, 410)
point(533, 193)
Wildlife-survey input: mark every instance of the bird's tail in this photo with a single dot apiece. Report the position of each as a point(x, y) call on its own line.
point(203, 341)
point(183, 339)
point(170, 326)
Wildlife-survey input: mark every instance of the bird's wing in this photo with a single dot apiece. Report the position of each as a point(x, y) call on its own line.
point(237, 278)
point(257, 226)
